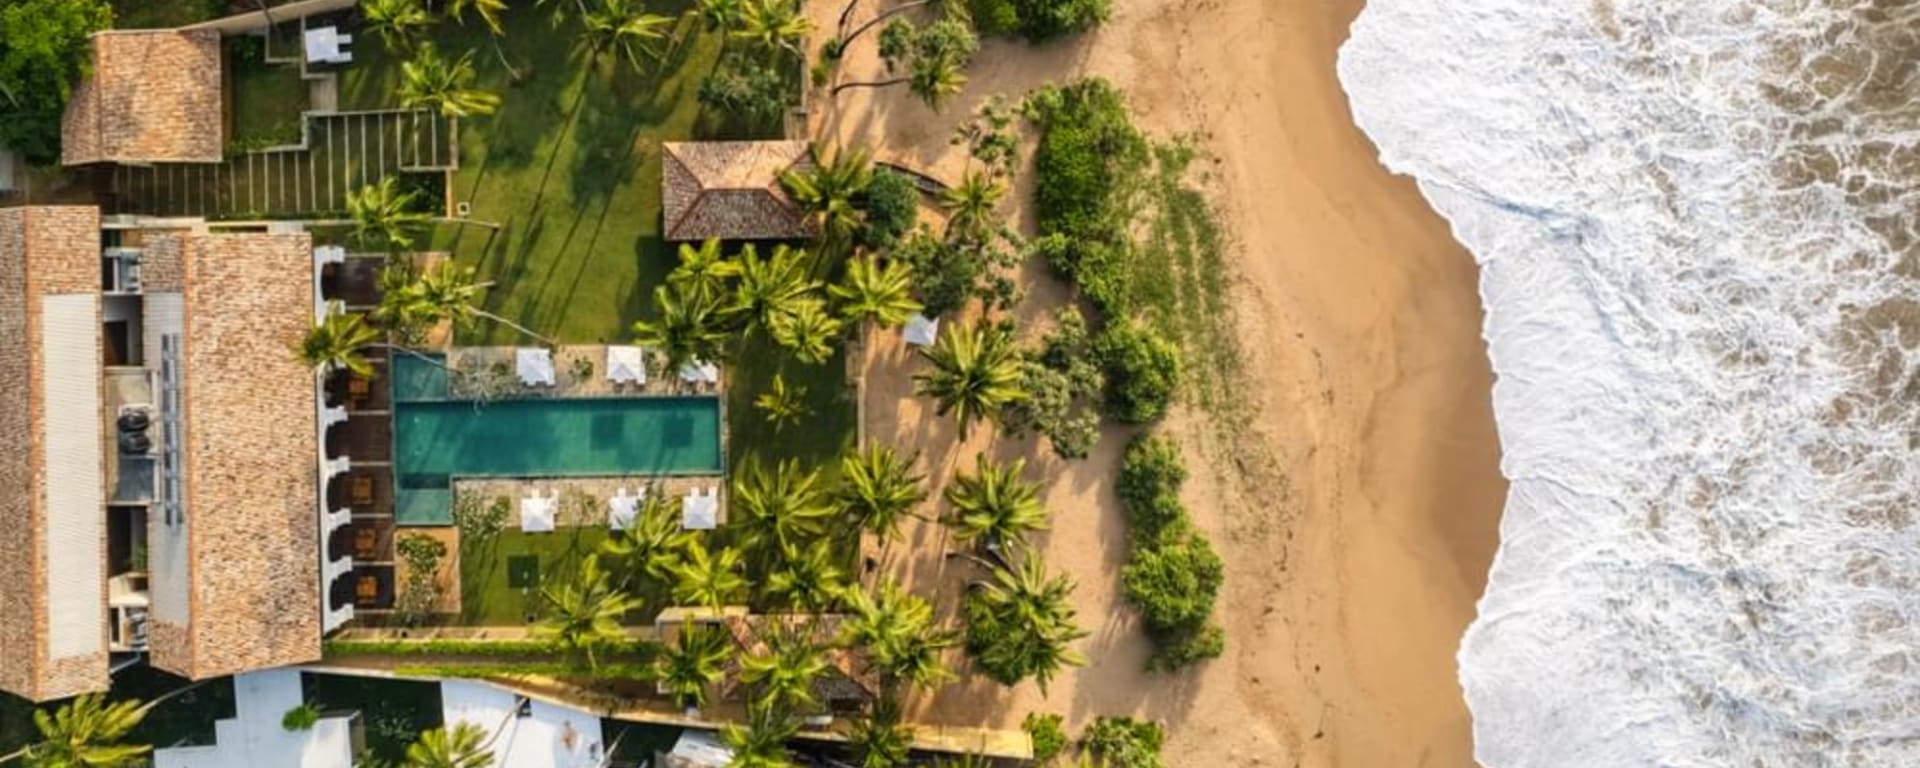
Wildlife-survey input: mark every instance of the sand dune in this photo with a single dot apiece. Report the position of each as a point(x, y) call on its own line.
point(1357, 511)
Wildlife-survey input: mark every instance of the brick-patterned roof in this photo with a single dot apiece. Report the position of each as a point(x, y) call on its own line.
point(731, 190)
point(154, 96)
point(250, 454)
point(43, 250)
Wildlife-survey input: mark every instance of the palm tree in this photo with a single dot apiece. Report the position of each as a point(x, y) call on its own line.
point(622, 26)
point(398, 22)
point(1020, 623)
point(720, 14)
point(334, 344)
point(703, 269)
point(762, 742)
point(808, 578)
point(881, 740)
point(651, 545)
point(429, 81)
point(808, 331)
point(778, 510)
point(784, 671)
point(588, 612)
point(770, 287)
point(878, 488)
point(994, 506)
point(896, 629)
point(383, 216)
point(976, 372)
point(971, 205)
point(782, 404)
point(447, 292)
point(688, 326)
point(935, 78)
point(489, 11)
point(826, 191)
point(693, 664)
point(87, 732)
point(873, 295)
point(710, 580)
point(461, 746)
point(773, 26)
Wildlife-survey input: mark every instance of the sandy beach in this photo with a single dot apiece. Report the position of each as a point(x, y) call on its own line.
point(1356, 507)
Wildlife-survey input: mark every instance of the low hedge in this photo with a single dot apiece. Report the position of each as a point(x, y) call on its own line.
point(1173, 576)
point(477, 648)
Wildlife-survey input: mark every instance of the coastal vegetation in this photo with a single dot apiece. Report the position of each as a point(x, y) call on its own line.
point(43, 53)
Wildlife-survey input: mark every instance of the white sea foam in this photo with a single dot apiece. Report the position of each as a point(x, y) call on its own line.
point(1701, 267)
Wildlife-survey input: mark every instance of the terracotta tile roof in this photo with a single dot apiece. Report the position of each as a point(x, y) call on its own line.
point(154, 96)
point(250, 455)
point(43, 250)
point(731, 190)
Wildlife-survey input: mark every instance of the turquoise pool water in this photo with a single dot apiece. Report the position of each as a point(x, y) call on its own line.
point(436, 439)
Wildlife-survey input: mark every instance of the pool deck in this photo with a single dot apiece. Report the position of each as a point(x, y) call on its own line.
point(583, 500)
point(580, 371)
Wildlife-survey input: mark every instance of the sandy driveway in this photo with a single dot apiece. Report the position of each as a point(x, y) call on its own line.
point(1358, 510)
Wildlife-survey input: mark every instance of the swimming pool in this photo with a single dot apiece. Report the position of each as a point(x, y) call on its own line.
point(436, 439)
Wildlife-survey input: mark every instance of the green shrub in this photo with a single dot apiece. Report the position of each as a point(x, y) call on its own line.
point(301, 718)
point(1049, 739)
point(1088, 150)
point(1174, 650)
point(43, 51)
point(945, 274)
point(1123, 742)
point(1042, 20)
point(891, 204)
point(1142, 369)
point(477, 648)
point(1152, 468)
point(1038, 20)
point(1174, 583)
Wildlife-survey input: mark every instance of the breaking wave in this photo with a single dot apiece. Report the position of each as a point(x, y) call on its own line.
point(1698, 223)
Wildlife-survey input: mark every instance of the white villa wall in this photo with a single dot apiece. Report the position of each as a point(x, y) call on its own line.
point(254, 738)
point(75, 527)
point(539, 741)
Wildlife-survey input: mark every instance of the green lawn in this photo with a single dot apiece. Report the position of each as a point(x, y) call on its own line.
point(265, 99)
point(487, 598)
point(569, 168)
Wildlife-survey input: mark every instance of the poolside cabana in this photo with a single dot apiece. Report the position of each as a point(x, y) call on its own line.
point(623, 508)
point(535, 366)
point(626, 365)
point(538, 513)
point(700, 509)
point(700, 372)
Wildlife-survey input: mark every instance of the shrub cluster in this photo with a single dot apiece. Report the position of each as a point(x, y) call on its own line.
point(1049, 739)
point(891, 202)
point(1038, 20)
point(1172, 576)
point(1089, 151)
point(1123, 742)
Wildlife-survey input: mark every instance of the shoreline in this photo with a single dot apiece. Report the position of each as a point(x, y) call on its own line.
point(1358, 513)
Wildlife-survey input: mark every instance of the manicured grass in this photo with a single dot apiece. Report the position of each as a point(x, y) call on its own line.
point(486, 597)
point(569, 168)
point(819, 439)
point(266, 99)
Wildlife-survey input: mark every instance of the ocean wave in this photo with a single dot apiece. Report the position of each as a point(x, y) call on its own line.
point(1699, 233)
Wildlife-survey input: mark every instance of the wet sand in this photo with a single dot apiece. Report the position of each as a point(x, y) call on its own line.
point(1357, 511)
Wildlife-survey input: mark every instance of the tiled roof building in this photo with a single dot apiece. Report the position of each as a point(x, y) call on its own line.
point(731, 190)
point(151, 404)
point(153, 97)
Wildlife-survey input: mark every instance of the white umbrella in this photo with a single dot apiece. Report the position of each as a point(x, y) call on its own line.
point(626, 365)
point(535, 366)
point(921, 331)
point(537, 513)
point(623, 508)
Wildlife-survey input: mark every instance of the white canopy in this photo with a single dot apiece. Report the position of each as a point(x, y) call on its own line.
point(535, 365)
point(622, 508)
point(701, 750)
point(921, 331)
point(700, 511)
point(700, 372)
point(626, 365)
point(537, 512)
